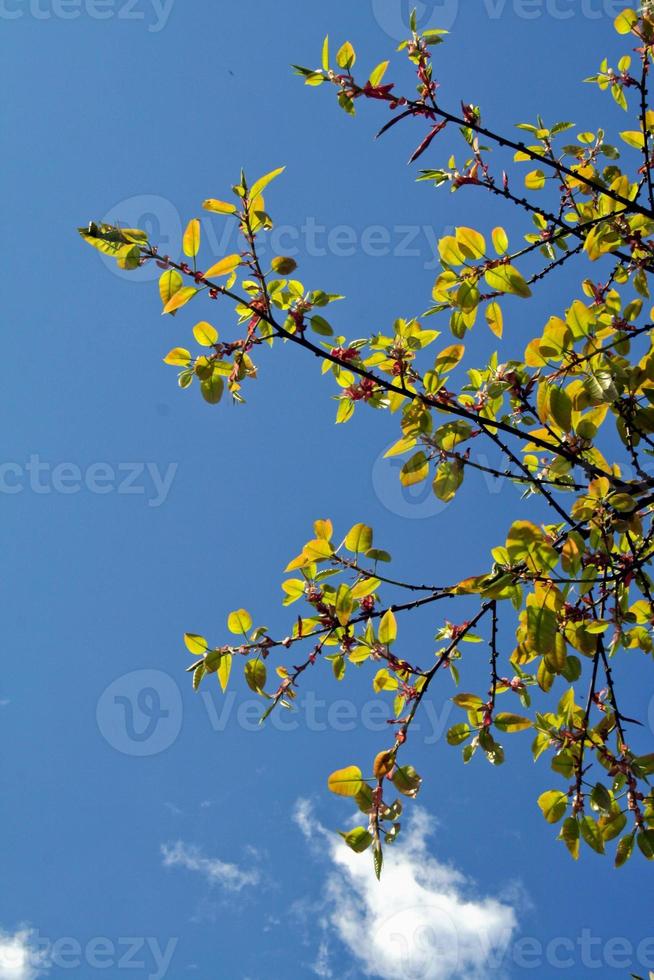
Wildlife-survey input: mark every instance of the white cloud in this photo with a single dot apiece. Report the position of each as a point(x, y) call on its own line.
point(228, 876)
point(321, 965)
point(424, 920)
point(20, 957)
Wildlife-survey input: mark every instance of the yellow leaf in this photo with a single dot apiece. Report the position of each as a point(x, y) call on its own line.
point(535, 180)
point(191, 243)
point(507, 279)
point(195, 644)
point(323, 529)
point(383, 764)
point(634, 138)
point(346, 56)
point(219, 207)
point(388, 628)
point(205, 334)
point(345, 782)
point(378, 73)
point(533, 356)
point(224, 670)
point(471, 243)
point(239, 622)
point(181, 298)
point(415, 470)
point(449, 251)
point(448, 359)
point(169, 283)
point(260, 185)
point(624, 22)
point(384, 681)
point(500, 241)
point(495, 319)
point(178, 357)
point(317, 550)
point(224, 267)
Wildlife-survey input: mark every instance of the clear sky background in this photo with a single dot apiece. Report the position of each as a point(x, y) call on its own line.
point(191, 838)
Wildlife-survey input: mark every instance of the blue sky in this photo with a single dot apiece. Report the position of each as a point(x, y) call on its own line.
point(133, 512)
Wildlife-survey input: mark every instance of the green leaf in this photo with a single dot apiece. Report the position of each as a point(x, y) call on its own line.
point(255, 675)
point(448, 479)
point(359, 839)
point(378, 861)
point(570, 836)
point(601, 798)
point(592, 834)
point(212, 388)
point(344, 604)
point(468, 701)
point(415, 470)
point(459, 734)
point(645, 841)
point(407, 781)
point(553, 805)
point(283, 265)
point(560, 408)
point(611, 824)
point(625, 849)
point(198, 675)
point(507, 722)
